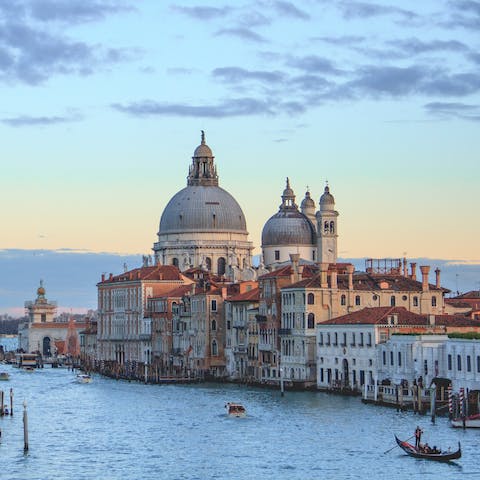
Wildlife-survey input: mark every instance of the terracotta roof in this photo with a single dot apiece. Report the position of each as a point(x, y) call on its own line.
point(473, 294)
point(366, 282)
point(287, 270)
point(47, 325)
point(380, 316)
point(156, 272)
point(252, 296)
point(176, 292)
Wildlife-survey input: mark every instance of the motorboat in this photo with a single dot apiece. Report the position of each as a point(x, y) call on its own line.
point(470, 421)
point(235, 410)
point(84, 378)
point(4, 376)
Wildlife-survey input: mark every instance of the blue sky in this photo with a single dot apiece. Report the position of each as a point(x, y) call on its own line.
point(102, 103)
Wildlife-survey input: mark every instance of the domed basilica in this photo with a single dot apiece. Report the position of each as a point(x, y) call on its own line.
point(204, 226)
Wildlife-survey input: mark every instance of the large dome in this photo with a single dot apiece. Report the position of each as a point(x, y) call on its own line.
point(288, 228)
point(202, 208)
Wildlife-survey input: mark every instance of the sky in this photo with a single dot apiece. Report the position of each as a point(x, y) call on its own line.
point(103, 101)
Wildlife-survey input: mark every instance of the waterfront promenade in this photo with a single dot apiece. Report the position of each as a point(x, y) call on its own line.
point(113, 429)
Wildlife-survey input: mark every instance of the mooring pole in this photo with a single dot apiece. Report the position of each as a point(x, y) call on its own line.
point(433, 399)
point(2, 413)
point(25, 427)
point(282, 391)
point(11, 402)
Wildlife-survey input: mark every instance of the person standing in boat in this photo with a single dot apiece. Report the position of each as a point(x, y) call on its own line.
point(418, 436)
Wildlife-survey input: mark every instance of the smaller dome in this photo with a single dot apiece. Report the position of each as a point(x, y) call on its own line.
point(288, 227)
point(327, 197)
point(307, 202)
point(203, 150)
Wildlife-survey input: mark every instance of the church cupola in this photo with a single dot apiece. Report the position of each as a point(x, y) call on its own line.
point(202, 171)
point(288, 198)
point(307, 207)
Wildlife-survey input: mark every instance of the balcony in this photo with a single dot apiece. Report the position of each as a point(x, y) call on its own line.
point(261, 318)
point(145, 337)
point(240, 349)
point(284, 331)
point(239, 324)
point(266, 347)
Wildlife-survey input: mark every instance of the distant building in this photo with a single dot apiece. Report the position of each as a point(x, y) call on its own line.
point(43, 334)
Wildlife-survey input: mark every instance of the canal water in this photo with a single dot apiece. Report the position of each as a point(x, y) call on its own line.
point(112, 429)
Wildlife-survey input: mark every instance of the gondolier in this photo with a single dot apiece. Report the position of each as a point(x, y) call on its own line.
point(418, 436)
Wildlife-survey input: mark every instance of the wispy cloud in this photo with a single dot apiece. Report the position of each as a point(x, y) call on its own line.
point(236, 107)
point(29, 121)
point(464, 14)
point(454, 109)
point(242, 33)
point(353, 9)
point(314, 64)
point(202, 12)
point(237, 74)
point(288, 9)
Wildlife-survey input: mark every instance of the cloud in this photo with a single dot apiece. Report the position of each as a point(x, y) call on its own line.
point(242, 33)
point(202, 12)
point(75, 11)
point(28, 121)
point(352, 9)
point(454, 110)
point(288, 9)
point(414, 46)
point(236, 75)
point(465, 14)
point(314, 64)
point(345, 40)
point(237, 107)
point(32, 55)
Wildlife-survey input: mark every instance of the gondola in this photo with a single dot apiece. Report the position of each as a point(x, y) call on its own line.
point(413, 451)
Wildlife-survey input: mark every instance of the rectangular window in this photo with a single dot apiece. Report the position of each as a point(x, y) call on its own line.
point(214, 305)
point(478, 363)
point(369, 344)
point(277, 254)
point(361, 340)
point(459, 363)
point(399, 359)
point(362, 377)
point(44, 317)
point(353, 339)
point(320, 343)
point(391, 358)
point(449, 361)
point(469, 364)
point(344, 344)
point(384, 357)
point(425, 367)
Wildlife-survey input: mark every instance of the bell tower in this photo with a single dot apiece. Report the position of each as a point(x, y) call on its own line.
point(327, 232)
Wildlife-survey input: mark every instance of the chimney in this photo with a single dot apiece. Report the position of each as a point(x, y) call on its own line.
point(333, 279)
point(110, 277)
point(350, 269)
point(224, 292)
point(103, 277)
point(193, 288)
point(431, 320)
point(437, 278)
point(294, 257)
point(425, 269)
point(413, 274)
point(405, 269)
point(323, 275)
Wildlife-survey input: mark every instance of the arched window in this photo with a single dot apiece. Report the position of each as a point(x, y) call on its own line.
point(311, 320)
point(311, 299)
point(214, 325)
point(343, 300)
point(175, 262)
point(332, 227)
point(434, 301)
point(357, 300)
point(325, 227)
point(415, 301)
point(208, 263)
point(214, 348)
point(392, 301)
point(221, 266)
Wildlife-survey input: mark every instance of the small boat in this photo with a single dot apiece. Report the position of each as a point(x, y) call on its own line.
point(84, 378)
point(472, 421)
point(4, 376)
point(28, 368)
point(439, 456)
point(235, 410)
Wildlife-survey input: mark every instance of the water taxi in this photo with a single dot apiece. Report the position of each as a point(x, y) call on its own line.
point(235, 410)
point(84, 378)
point(4, 376)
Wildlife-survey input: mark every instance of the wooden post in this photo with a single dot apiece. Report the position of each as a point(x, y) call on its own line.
point(401, 397)
point(11, 402)
point(433, 399)
point(25, 427)
point(1, 404)
point(419, 399)
point(145, 372)
point(365, 390)
point(397, 399)
point(414, 397)
point(281, 382)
